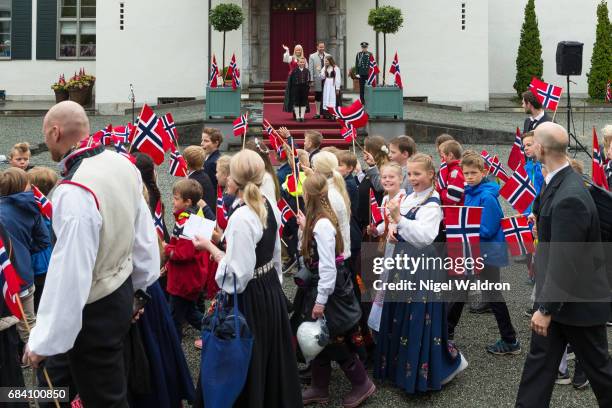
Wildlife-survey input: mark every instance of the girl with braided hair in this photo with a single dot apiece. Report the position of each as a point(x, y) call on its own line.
point(329, 293)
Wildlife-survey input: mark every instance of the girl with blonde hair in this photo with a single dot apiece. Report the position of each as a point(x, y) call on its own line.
point(252, 265)
point(430, 361)
point(326, 164)
point(331, 287)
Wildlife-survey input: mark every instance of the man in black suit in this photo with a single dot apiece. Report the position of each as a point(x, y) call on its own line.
point(572, 286)
point(533, 108)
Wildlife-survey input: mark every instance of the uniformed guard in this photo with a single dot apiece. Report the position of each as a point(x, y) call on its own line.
point(362, 66)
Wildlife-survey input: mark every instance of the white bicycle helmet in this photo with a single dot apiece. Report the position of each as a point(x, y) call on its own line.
point(312, 338)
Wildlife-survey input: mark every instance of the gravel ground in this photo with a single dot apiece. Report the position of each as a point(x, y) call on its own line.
point(488, 381)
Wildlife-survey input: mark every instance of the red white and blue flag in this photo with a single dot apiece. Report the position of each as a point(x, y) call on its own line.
point(547, 94)
point(487, 159)
point(240, 125)
point(519, 190)
point(598, 171)
point(442, 176)
point(44, 205)
point(609, 91)
point(518, 235)
point(286, 214)
point(376, 216)
point(354, 114)
point(497, 169)
point(373, 71)
point(119, 148)
point(273, 136)
point(150, 137)
point(122, 133)
point(170, 128)
point(517, 154)
point(236, 78)
point(349, 133)
point(214, 73)
point(10, 282)
point(395, 71)
point(158, 220)
point(230, 68)
point(104, 136)
point(462, 234)
point(222, 217)
point(178, 166)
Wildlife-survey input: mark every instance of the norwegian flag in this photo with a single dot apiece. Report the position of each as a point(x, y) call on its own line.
point(517, 154)
point(549, 95)
point(349, 133)
point(119, 148)
point(178, 166)
point(273, 136)
point(286, 214)
point(240, 125)
point(214, 73)
point(463, 233)
point(231, 68)
point(282, 148)
point(442, 176)
point(497, 169)
point(44, 205)
point(122, 133)
point(158, 220)
point(10, 282)
point(170, 128)
point(518, 235)
point(104, 136)
point(487, 159)
point(609, 92)
point(373, 72)
point(518, 190)
point(598, 172)
point(150, 137)
point(375, 211)
point(235, 78)
point(354, 115)
point(395, 71)
point(222, 217)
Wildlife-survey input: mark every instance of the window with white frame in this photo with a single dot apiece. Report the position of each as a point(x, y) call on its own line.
point(77, 28)
point(5, 28)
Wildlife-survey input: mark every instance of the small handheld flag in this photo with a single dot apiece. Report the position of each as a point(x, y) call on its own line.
point(609, 91)
point(286, 214)
point(442, 176)
point(178, 166)
point(44, 205)
point(598, 172)
point(222, 217)
point(497, 169)
point(354, 114)
point(518, 235)
point(547, 94)
point(240, 125)
point(214, 73)
point(375, 211)
point(158, 220)
point(517, 154)
point(150, 136)
point(170, 128)
point(10, 282)
point(349, 133)
point(518, 190)
point(463, 234)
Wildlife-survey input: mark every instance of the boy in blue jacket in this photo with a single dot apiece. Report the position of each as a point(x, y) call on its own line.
point(29, 235)
point(479, 192)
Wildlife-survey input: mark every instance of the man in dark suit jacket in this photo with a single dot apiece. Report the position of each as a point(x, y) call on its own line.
point(572, 287)
point(533, 108)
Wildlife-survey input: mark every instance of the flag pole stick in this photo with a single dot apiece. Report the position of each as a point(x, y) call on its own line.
point(29, 330)
point(245, 131)
point(555, 114)
point(354, 148)
point(296, 175)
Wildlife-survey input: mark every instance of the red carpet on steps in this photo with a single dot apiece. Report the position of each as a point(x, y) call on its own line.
point(273, 112)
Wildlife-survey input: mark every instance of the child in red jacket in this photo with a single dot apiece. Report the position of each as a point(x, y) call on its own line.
point(186, 267)
point(451, 182)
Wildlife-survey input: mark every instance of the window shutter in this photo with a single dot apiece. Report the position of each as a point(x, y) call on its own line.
point(21, 30)
point(46, 30)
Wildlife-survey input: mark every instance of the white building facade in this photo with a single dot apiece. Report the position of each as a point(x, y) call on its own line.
point(451, 52)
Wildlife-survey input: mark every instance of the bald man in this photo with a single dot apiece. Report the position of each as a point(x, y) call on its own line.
point(572, 289)
point(106, 248)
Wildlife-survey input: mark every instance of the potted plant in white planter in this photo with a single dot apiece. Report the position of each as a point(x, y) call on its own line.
point(385, 100)
point(224, 101)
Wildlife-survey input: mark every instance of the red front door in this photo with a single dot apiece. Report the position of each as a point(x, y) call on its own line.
point(290, 27)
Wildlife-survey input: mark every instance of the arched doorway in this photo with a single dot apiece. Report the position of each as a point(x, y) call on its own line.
point(291, 22)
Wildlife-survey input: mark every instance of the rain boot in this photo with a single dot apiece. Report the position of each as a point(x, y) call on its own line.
point(318, 392)
point(361, 385)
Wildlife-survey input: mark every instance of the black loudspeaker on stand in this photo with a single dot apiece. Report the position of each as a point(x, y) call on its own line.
point(569, 62)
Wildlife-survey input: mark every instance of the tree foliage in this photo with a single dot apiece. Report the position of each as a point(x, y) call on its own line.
point(601, 60)
point(529, 61)
point(386, 20)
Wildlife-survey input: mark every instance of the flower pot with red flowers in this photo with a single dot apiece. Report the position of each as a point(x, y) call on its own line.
point(61, 93)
